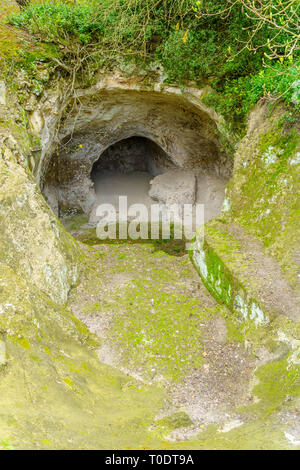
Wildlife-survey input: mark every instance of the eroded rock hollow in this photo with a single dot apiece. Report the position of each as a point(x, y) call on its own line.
point(121, 130)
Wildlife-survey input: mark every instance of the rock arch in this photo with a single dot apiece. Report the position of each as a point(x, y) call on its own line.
point(114, 110)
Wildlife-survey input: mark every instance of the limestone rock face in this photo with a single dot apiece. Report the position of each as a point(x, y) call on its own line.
point(2, 93)
point(34, 246)
point(54, 392)
point(115, 109)
point(174, 187)
point(264, 191)
point(33, 242)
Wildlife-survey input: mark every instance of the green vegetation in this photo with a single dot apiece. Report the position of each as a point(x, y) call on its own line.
point(277, 380)
point(5, 446)
point(54, 391)
point(172, 246)
point(224, 44)
point(264, 191)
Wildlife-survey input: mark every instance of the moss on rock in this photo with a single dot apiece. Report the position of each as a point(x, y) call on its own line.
point(265, 189)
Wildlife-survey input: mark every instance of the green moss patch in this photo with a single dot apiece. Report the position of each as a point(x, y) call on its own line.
point(264, 192)
point(170, 246)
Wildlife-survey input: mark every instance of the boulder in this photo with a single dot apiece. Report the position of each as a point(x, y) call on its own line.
point(174, 187)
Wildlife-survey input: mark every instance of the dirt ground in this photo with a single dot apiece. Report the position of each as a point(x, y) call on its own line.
point(157, 323)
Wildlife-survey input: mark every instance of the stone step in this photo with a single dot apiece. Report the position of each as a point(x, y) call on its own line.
point(235, 269)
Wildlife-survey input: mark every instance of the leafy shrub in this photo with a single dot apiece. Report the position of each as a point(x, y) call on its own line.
point(238, 96)
point(206, 49)
point(60, 21)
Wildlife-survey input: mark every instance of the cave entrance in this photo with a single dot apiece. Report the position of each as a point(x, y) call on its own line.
point(132, 138)
point(126, 168)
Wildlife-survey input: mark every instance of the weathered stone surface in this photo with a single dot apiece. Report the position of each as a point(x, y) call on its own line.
point(134, 154)
point(116, 108)
point(54, 391)
point(174, 187)
point(2, 93)
point(3, 358)
point(235, 269)
point(32, 241)
point(250, 258)
point(264, 193)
